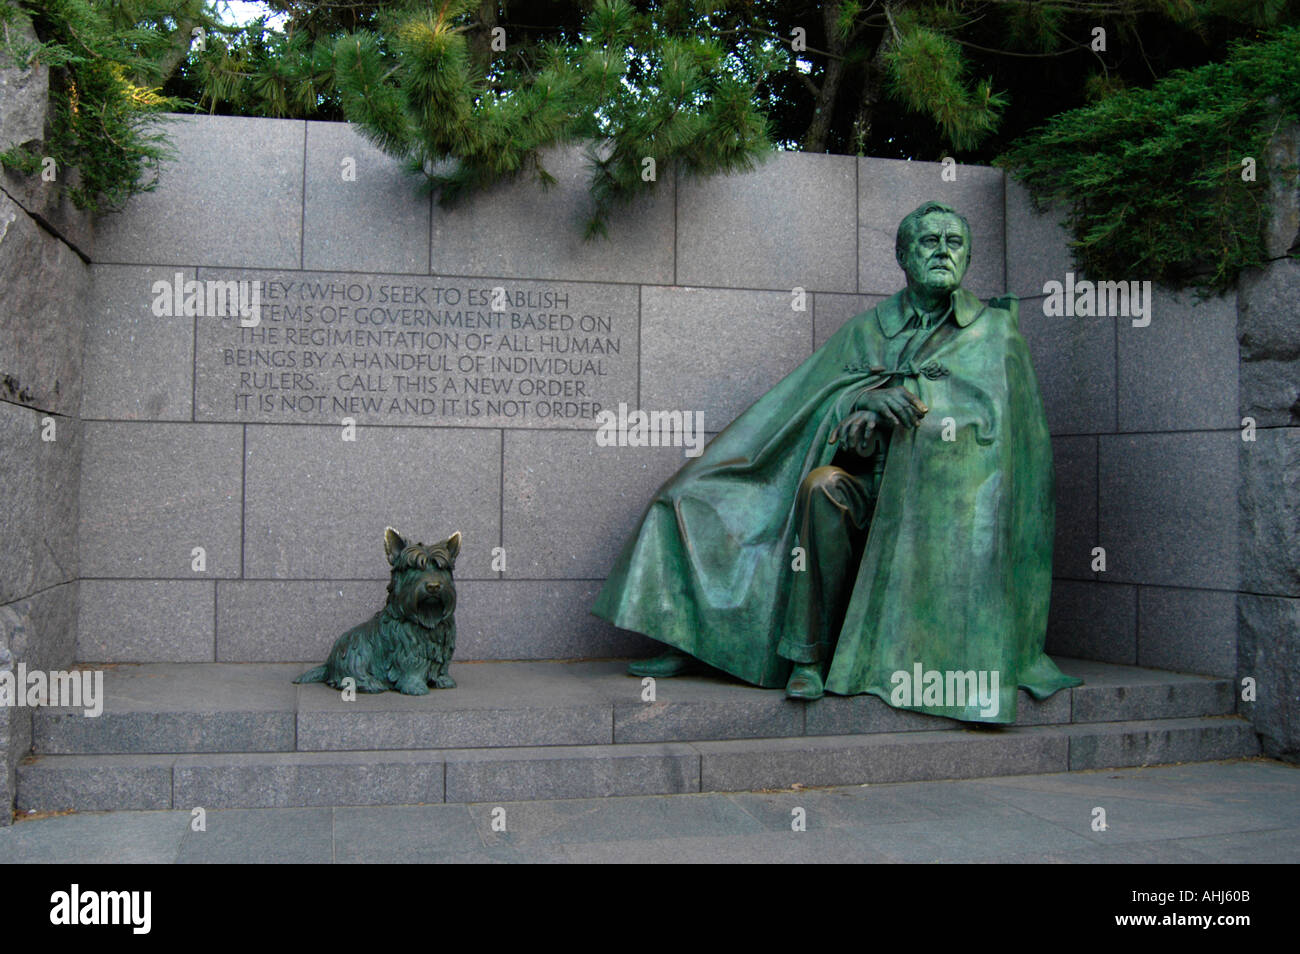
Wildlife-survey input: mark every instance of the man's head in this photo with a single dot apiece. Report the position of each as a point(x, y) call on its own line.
point(933, 247)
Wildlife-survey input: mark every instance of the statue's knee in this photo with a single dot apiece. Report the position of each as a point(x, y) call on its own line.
point(821, 480)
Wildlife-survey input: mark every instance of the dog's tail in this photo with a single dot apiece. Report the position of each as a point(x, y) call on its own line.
point(312, 675)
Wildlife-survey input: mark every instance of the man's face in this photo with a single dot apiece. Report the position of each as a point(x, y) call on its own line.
point(938, 253)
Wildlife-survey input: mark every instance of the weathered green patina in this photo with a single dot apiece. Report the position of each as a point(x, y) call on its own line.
point(928, 411)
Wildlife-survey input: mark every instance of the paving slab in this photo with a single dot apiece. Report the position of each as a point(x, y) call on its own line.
point(1012, 819)
point(403, 833)
point(96, 838)
point(288, 836)
point(636, 818)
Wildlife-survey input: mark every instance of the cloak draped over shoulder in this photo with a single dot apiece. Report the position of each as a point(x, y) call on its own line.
point(956, 571)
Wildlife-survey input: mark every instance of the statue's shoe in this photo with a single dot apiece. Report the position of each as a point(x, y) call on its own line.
point(674, 662)
point(805, 683)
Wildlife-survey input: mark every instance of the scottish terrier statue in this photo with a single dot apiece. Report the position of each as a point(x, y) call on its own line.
point(408, 644)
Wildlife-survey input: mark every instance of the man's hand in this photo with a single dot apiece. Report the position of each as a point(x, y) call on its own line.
point(859, 430)
point(897, 406)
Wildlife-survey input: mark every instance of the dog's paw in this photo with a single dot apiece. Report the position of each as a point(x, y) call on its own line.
point(412, 687)
point(444, 682)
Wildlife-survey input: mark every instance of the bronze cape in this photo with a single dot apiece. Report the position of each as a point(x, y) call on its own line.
point(956, 571)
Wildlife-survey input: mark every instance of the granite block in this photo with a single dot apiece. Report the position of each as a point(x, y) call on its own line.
point(162, 708)
point(293, 620)
point(1187, 630)
point(216, 205)
point(1114, 694)
point(1268, 652)
point(886, 757)
point(89, 783)
point(308, 779)
point(520, 230)
point(416, 350)
point(1093, 621)
point(1169, 508)
point(41, 630)
point(15, 744)
point(1114, 745)
point(521, 704)
point(860, 715)
point(831, 312)
point(25, 91)
point(41, 481)
point(50, 203)
point(1074, 361)
point(145, 621)
point(496, 775)
point(283, 620)
point(139, 366)
point(690, 707)
point(1075, 461)
point(42, 321)
point(363, 211)
point(539, 619)
point(1269, 337)
point(788, 223)
point(1038, 243)
point(1282, 232)
point(888, 189)
point(1180, 372)
point(864, 714)
point(1269, 517)
point(717, 351)
point(151, 493)
point(317, 505)
point(569, 504)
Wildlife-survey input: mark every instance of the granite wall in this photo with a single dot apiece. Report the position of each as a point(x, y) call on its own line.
point(204, 498)
point(1268, 607)
point(44, 287)
point(200, 433)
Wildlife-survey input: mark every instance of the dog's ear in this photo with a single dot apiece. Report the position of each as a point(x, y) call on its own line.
point(393, 545)
point(453, 544)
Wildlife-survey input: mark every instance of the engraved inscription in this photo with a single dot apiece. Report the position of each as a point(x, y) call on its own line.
point(385, 349)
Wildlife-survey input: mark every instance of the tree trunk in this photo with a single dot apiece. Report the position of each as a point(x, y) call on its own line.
point(873, 91)
point(818, 132)
point(178, 48)
point(479, 40)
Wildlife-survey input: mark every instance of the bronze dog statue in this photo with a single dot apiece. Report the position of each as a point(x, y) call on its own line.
point(408, 644)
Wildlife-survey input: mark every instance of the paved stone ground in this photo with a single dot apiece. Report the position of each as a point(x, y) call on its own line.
point(1246, 810)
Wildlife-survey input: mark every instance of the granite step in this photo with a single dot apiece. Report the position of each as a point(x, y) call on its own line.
point(161, 709)
point(518, 773)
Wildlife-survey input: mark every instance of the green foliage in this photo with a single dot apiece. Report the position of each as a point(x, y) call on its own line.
point(927, 72)
point(1153, 178)
point(98, 131)
point(633, 87)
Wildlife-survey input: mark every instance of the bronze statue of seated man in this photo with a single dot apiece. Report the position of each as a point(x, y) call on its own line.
point(881, 521)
